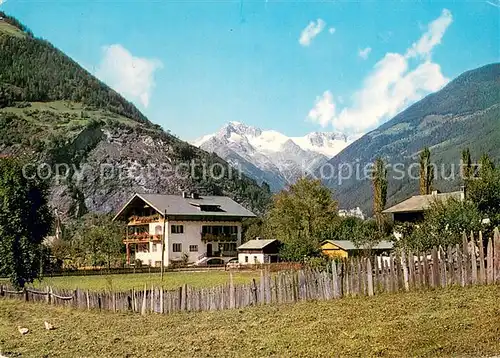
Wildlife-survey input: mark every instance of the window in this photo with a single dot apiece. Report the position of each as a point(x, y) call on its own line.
point(177, 247)
point(143, 248)
point(154, 248)
point(177, 229)
point(219, 230)
point(246, 258)
point(193, 248)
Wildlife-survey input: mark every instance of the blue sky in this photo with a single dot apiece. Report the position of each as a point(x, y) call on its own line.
point(295, 67)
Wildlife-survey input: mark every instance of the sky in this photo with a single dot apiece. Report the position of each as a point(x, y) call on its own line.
point(295, 67)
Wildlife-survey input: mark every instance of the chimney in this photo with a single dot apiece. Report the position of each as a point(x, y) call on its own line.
point(435, 192)
point(195, 195)
point(463, 192)
point(185, 194)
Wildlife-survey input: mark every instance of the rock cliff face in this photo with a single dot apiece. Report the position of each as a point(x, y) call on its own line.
point(95, 147)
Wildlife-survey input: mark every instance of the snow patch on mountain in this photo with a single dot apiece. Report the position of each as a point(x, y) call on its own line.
point(268, 155)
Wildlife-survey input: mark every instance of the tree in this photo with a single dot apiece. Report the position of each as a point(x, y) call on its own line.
point(25, 220)
point(484, 191)
point(265, 186)
point(379, 190)
point(466, 165)
point(93, 240)
point(444, 224)
point(252, 228)
point(426, 172)
point(486, 166)
point(300, 217)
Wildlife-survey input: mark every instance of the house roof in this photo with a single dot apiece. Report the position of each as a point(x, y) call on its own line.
point(349, 245)
point(255, 244)
point(419, 203)
point(178, 205)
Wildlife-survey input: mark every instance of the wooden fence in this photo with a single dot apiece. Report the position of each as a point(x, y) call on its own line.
point(468, 264)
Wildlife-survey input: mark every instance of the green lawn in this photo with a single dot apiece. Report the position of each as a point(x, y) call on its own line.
point(129, 281)
point(462, 322)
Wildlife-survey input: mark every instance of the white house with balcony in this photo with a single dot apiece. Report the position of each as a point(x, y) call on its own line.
point(199, 229)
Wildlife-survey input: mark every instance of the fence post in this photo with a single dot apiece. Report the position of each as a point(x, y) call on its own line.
point(442, 267)
point(335, 281)
point(496, 253)
point(369, 276)
point(482, 271)
point(143, 308)
point(466, 259)
point(460, 265)
point(232, 302)
point(435, 268)
point(262, 282)
point(184, 297)
point(162, 310)
point(425, 270)
point(411, 267)
point(75, 298)
point(451, 266)
point(404, 262)
point(489, 262)
point(473, 259)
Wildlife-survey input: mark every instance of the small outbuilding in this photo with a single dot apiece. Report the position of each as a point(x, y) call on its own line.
point(259, 251)
point(346, 248)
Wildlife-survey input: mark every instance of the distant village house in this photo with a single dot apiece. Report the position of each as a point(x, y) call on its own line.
point(344, 248)
point(412, 210)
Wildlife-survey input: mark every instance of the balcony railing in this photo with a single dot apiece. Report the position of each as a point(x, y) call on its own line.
point(218, 254)
point(137, 220)
point(206, 237)
point(141, 238)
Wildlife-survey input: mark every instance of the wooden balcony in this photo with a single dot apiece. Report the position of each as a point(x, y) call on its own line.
point(141, 220)
point(142, 238)
point(207, 237)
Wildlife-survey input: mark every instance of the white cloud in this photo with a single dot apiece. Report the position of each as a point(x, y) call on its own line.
point(391, 86)
point(364, 53)
point(323, 111)
point(131, 76)
point(311, 31)
point(332, 30)
point(495, 4)
point(3, 2)
point(433, 35)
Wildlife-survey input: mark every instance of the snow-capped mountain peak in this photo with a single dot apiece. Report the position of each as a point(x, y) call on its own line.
point(270, 155)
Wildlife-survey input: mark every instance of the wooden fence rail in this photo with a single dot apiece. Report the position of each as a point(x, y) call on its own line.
point(471, 263)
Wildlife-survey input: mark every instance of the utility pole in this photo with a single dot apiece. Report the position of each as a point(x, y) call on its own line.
point(163, 243)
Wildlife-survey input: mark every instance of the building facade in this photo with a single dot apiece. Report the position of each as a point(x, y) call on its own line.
point(197, 229)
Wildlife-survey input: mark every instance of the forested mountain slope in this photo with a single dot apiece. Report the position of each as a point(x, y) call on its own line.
point(53, 110)
point(465, 113)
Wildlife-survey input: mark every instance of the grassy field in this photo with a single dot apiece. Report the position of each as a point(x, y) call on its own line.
point(129, 281)
point(450, 322)
point(10, 30)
